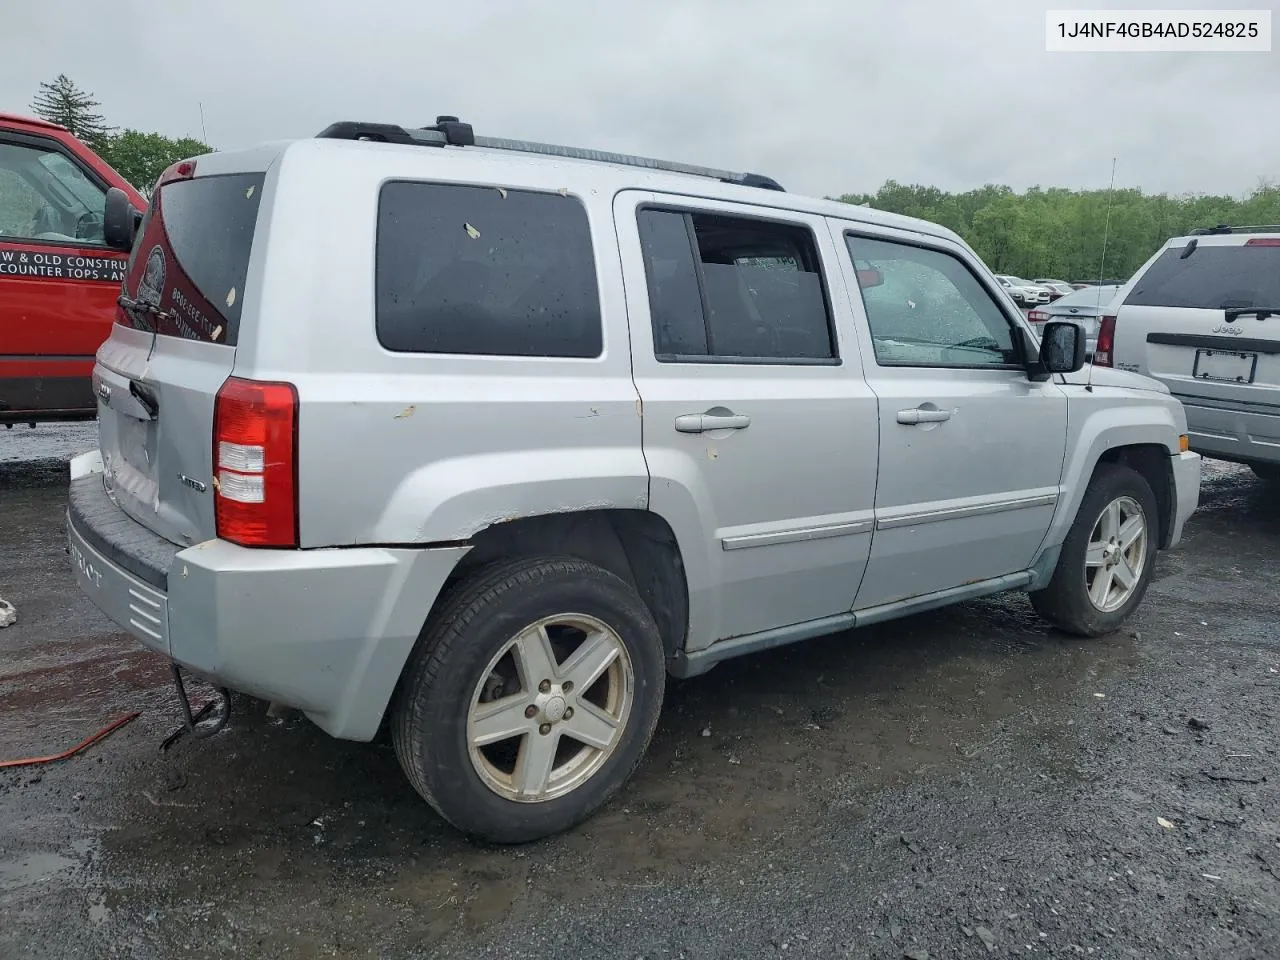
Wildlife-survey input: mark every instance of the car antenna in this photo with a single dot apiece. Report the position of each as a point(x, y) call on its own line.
point(1102, 268)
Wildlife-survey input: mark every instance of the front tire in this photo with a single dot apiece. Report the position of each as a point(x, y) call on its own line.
point(530, 699)
point(1108, 557)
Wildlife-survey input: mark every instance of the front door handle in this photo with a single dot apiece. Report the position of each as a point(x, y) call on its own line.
point(706, 422)
point(922, 415)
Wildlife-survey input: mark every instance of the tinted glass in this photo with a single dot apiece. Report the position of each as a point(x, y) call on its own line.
point(675, 303)
point(754, 290)
point(477, 270)
point(1211, 278)
point(209, 223)
point(930, 309)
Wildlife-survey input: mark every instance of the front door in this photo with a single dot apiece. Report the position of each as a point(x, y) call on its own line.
point(58, 280)
point(760, 434)
point(971, 450)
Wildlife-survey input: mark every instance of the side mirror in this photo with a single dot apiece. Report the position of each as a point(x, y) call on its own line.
point(120, 220)
point(1062, 347)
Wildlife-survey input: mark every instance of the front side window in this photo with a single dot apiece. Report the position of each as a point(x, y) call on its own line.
point(733, 288)
point(482, 270)
point(926, 308)
point(45, 196)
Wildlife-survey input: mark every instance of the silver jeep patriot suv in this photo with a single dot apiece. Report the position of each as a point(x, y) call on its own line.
point(483, 439)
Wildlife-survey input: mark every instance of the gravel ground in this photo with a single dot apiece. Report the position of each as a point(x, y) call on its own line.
point(964, 783)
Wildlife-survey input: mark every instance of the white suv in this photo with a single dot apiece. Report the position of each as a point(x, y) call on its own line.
point(1203, 317)
point(482, 439)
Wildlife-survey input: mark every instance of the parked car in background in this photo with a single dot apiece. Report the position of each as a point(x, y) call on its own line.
point(1203, 317)
point(1024, 292)
point(1085, 307)
point(58, 278)
point(540, 450)
point(1056, 288)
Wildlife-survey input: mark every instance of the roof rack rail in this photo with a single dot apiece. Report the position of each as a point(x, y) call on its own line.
point(1228, 228)
point(449, 131)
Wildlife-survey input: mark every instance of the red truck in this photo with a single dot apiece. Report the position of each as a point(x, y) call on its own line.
point(58, 277)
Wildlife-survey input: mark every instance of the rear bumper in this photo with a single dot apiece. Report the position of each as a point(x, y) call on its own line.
point(326, 631)
point(1245, 436)
point(1186, 488)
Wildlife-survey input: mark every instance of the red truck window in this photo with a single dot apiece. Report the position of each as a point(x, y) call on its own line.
point(46, 197)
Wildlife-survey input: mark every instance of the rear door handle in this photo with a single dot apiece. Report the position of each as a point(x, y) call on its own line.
point(922, 415)
point(706, 422)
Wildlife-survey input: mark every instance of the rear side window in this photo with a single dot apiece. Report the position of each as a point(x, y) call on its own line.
point(733, 288)
point(1211, 278)
point(480, 270)
point(187, 269)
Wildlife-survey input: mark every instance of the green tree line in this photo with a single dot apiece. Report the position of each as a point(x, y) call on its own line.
point(138, 156)
point(1058, 233)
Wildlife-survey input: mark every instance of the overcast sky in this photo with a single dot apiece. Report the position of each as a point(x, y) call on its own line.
point(828, 97)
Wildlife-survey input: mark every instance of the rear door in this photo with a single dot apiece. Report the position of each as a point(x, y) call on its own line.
point(1183, 320)
point(58, 280)
point(760, 433)
point(173, 347)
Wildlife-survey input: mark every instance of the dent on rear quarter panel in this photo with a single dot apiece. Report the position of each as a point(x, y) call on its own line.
point(452, 500)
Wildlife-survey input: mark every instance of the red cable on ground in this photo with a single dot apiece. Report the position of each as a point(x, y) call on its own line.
point(87, 742)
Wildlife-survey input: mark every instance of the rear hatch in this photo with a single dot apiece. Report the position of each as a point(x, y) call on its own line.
point(1206, 320)
point(172, 348)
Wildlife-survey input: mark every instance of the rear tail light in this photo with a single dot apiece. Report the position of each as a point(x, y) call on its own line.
point(255, 442)
point(1263, 242)
point(1106, 341)
point(1037, 316)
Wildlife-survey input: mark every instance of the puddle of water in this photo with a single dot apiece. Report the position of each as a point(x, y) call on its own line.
point(99, 671)
point(98, 909)
point(33, 868)
point(43, 865)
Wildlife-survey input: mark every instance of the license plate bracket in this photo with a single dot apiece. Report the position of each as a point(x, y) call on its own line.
point(1226, 366)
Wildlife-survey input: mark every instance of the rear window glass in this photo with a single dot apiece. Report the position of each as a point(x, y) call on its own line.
point(187, 270)
point(1211, 278)
point(209, 222)
point(481, 270)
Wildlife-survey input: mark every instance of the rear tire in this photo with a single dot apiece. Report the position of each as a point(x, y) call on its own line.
point(1270, 472)
point(520, 661)
point(1108, 557)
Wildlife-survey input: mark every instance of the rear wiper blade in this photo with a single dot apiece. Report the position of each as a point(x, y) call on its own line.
point(146, 309)
point(1234, 313)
